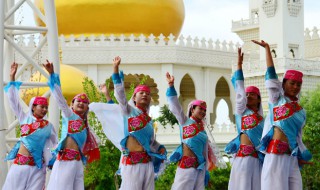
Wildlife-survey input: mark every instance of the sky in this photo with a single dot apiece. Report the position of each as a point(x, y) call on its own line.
point(212, 19)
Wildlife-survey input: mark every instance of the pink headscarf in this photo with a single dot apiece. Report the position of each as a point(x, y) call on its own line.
point(82, 98)
point(200, 103)
point(253, 89)
point(40, 101)
point(142, 88)
point(293, 75)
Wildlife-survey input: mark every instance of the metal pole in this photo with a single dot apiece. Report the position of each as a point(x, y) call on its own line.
point(3, 165)
point(53, 55)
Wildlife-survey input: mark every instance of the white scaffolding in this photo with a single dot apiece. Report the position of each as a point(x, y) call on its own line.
point(9, 31)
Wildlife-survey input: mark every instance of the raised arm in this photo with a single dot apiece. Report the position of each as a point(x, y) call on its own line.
point(12, 91)
point(104, 89)
point(55, 87)
point(273, 84)
point(174, 104)
point(118, 87)
point(238, 84)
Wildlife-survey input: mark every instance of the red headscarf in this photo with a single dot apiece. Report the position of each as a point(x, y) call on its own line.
point(293, 75)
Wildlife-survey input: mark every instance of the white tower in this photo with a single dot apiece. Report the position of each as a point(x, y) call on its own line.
point(282, 26)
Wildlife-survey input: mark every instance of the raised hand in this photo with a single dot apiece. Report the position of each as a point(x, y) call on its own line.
point(261, 43)
point(116, 63)
point(170, 79)
point(240, 56)
point(49, 67)
point(103, 88)
point(13, 71)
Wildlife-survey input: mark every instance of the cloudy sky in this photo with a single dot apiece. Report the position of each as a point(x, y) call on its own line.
point(213, 18)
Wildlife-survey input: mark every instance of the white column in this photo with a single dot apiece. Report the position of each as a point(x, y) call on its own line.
point(3, 165)
point(53, 54)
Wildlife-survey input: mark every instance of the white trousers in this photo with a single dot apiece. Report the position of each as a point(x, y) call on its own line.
point(189, 179)
point(245, 174)
point(280, 172)
point(66, 175)
point(137, 177)
point(25, 177)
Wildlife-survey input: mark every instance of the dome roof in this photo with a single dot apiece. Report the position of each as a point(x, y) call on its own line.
point(118, 16)
point(71, 84)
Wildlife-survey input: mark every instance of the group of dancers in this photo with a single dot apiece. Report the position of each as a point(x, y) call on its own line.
point(267, 151)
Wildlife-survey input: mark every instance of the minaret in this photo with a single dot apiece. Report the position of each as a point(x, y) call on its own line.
point(282, 26)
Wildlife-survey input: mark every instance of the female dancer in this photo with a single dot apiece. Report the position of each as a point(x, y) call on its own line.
point(192, 154)
point(77, 142)
point(130, 129)
point(37, 136)
point(282, 133)
point(246, 168)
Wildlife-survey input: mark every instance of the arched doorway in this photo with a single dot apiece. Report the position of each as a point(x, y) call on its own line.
point(187, 91)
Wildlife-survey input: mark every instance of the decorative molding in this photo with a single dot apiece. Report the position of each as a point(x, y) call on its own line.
point(294, 7)
point(270, 7)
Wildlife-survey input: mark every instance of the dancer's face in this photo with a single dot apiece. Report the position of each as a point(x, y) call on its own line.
point(253, 100)
point(80, 107)
point(291, 88)
point(142, 99)
point(198, 112)
point(39, 111)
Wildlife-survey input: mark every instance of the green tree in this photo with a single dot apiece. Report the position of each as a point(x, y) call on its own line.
point(311, 138)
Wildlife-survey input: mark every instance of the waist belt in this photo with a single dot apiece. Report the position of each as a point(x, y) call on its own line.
point(68, 155)
point(24, 160)
point(247, 150)
point(188, 162)
point(278, 147)
point(136, 158)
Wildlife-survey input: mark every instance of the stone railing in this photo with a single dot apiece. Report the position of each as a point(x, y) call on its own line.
point(151, 40)
point(311, 34)
point(245, 23)
point(258, 68)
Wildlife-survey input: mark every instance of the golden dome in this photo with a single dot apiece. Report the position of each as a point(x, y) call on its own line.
point(71, 84)
point(118, 16)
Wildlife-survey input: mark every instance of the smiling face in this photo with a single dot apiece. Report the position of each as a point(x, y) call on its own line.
point(142, 99)
point(198, 112)
point(80, 107)
point(291, 88)
point(39, 111)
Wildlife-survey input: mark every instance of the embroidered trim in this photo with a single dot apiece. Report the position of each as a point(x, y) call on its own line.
point(278, 147)
point(188, 162)
point(247, 150)
point(286, 110)
point(136, 158)
point(250, 121)
point(24, 160)
point(191, 130)
point(138, 122)
point(27, 129)
point(76, 126)
point(68, 154)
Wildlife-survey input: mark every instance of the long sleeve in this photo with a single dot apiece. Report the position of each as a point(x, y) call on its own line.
point(12, 91)
point(241, 99)
point(175, 106)
point(55, 87)
point(119, 93)
point(273, 85)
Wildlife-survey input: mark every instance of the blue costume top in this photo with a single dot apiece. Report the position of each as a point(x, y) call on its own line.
point(137, 124)
point(248, 122)
point(192, 134)
point(37, 135)
point(285, 114)
point(73, 125)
